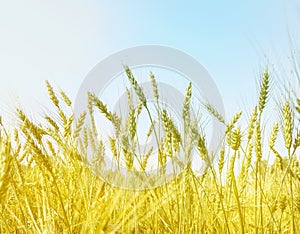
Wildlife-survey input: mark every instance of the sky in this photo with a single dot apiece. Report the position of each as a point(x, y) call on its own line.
point(61, 41)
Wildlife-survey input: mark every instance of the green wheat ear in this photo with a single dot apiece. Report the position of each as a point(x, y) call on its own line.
point(186, 104)
point(264, 91)
point(137, 88)
point(154, 86)
point(214, 112)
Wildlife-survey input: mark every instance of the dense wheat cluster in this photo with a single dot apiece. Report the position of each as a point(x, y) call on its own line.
point(48, 186)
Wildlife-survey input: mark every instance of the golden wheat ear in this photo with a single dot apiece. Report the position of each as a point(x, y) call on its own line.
point(264, 91)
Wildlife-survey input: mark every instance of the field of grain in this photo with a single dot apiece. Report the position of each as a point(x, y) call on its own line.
point(48, 186)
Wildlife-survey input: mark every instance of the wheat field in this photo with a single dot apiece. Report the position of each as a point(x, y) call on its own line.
point(47, 184)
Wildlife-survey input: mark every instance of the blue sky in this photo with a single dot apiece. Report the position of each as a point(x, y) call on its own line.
point(63, 40)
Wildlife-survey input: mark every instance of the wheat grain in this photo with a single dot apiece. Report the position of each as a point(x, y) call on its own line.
point(202, 148)
point(135, 85)
point(101, 106)
point(273, 136)
point(235, 139)
point(68, 125)
point(65, 98)
point(138, 109)
point(297, 141)
point(150, 130)
point(51, 148)
point(287, 125)
point(283, 203)
point(79, 124)
point(264, 91)
point(221, 161)
point(113, 147)
point(251, 125)
point(215, 113)
point(52, 95)
point(154, 86)
point(16, 136)
point(132, 124)
point(230, 172)
point(233, 121)
point(186, 105)
point(52, 123)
